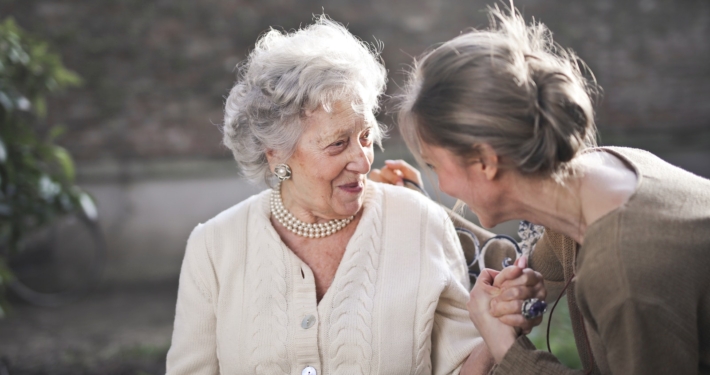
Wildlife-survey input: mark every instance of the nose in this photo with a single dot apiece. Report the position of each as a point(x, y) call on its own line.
point(361, 159)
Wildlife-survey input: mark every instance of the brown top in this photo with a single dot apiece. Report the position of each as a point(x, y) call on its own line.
point(642, 280)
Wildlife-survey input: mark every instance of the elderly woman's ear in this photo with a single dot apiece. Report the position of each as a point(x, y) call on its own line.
point(273, 158)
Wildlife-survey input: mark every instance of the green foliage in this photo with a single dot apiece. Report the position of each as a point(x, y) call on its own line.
point(561, 336)
point(36, 175)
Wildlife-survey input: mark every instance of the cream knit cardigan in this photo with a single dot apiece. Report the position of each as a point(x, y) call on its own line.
point(396, 304)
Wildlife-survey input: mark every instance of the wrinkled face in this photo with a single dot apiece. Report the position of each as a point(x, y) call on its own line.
point(330, 164)
point(467, 182)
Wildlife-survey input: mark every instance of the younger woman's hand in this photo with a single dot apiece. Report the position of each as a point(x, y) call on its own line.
point(394, 172)
point(517, 283)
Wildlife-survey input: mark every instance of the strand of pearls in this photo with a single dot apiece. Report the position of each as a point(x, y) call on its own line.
point(315, 230)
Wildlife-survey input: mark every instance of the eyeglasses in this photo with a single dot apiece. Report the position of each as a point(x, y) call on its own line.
point(487, 255)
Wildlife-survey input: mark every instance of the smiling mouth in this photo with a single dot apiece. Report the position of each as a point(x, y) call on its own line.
point(353, 187)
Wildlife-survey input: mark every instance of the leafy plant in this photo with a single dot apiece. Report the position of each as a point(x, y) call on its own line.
point(561, 336)
point(36, 175)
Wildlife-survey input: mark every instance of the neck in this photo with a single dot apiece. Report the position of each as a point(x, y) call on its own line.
point(555, 205)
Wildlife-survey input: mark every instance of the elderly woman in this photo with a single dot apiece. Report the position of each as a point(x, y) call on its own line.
point(505, 120)
point(325, 273)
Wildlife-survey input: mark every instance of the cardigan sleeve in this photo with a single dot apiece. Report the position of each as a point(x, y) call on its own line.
point(193, 349)
point(454, 255)
point(453, 334)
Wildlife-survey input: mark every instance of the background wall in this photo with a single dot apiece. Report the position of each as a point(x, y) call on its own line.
point(144, 127)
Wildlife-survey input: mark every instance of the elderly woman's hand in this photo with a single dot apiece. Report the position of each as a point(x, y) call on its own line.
point(517, 283)
point(394, 172)
point(499, 337)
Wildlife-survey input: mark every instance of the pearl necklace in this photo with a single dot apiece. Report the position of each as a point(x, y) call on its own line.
point(315, 230)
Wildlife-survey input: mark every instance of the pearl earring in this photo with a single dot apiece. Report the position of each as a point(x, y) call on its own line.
point(282, 172)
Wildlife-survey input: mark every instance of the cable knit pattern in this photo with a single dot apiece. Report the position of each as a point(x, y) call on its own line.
point(389, 309)
point(424, 328)
point(351, 317)
point(423, 358)
point(269, 354)
point(442, 252)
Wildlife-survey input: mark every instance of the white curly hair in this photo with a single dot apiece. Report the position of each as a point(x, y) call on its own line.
point(291, 73)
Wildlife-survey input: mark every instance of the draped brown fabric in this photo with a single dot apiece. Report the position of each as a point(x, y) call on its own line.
point(554, 258)
point(640, 280)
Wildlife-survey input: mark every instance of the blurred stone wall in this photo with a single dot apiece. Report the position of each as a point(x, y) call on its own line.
point(144, 126)
point(156, 71)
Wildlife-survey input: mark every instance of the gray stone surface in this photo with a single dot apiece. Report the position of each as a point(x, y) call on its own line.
point(147, 221)
point(156, 71)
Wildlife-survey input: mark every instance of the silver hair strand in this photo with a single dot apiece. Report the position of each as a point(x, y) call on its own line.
point(290, 73)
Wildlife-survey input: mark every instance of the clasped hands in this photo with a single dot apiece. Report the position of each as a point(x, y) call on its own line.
point(497, 298)
point(496, 303)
